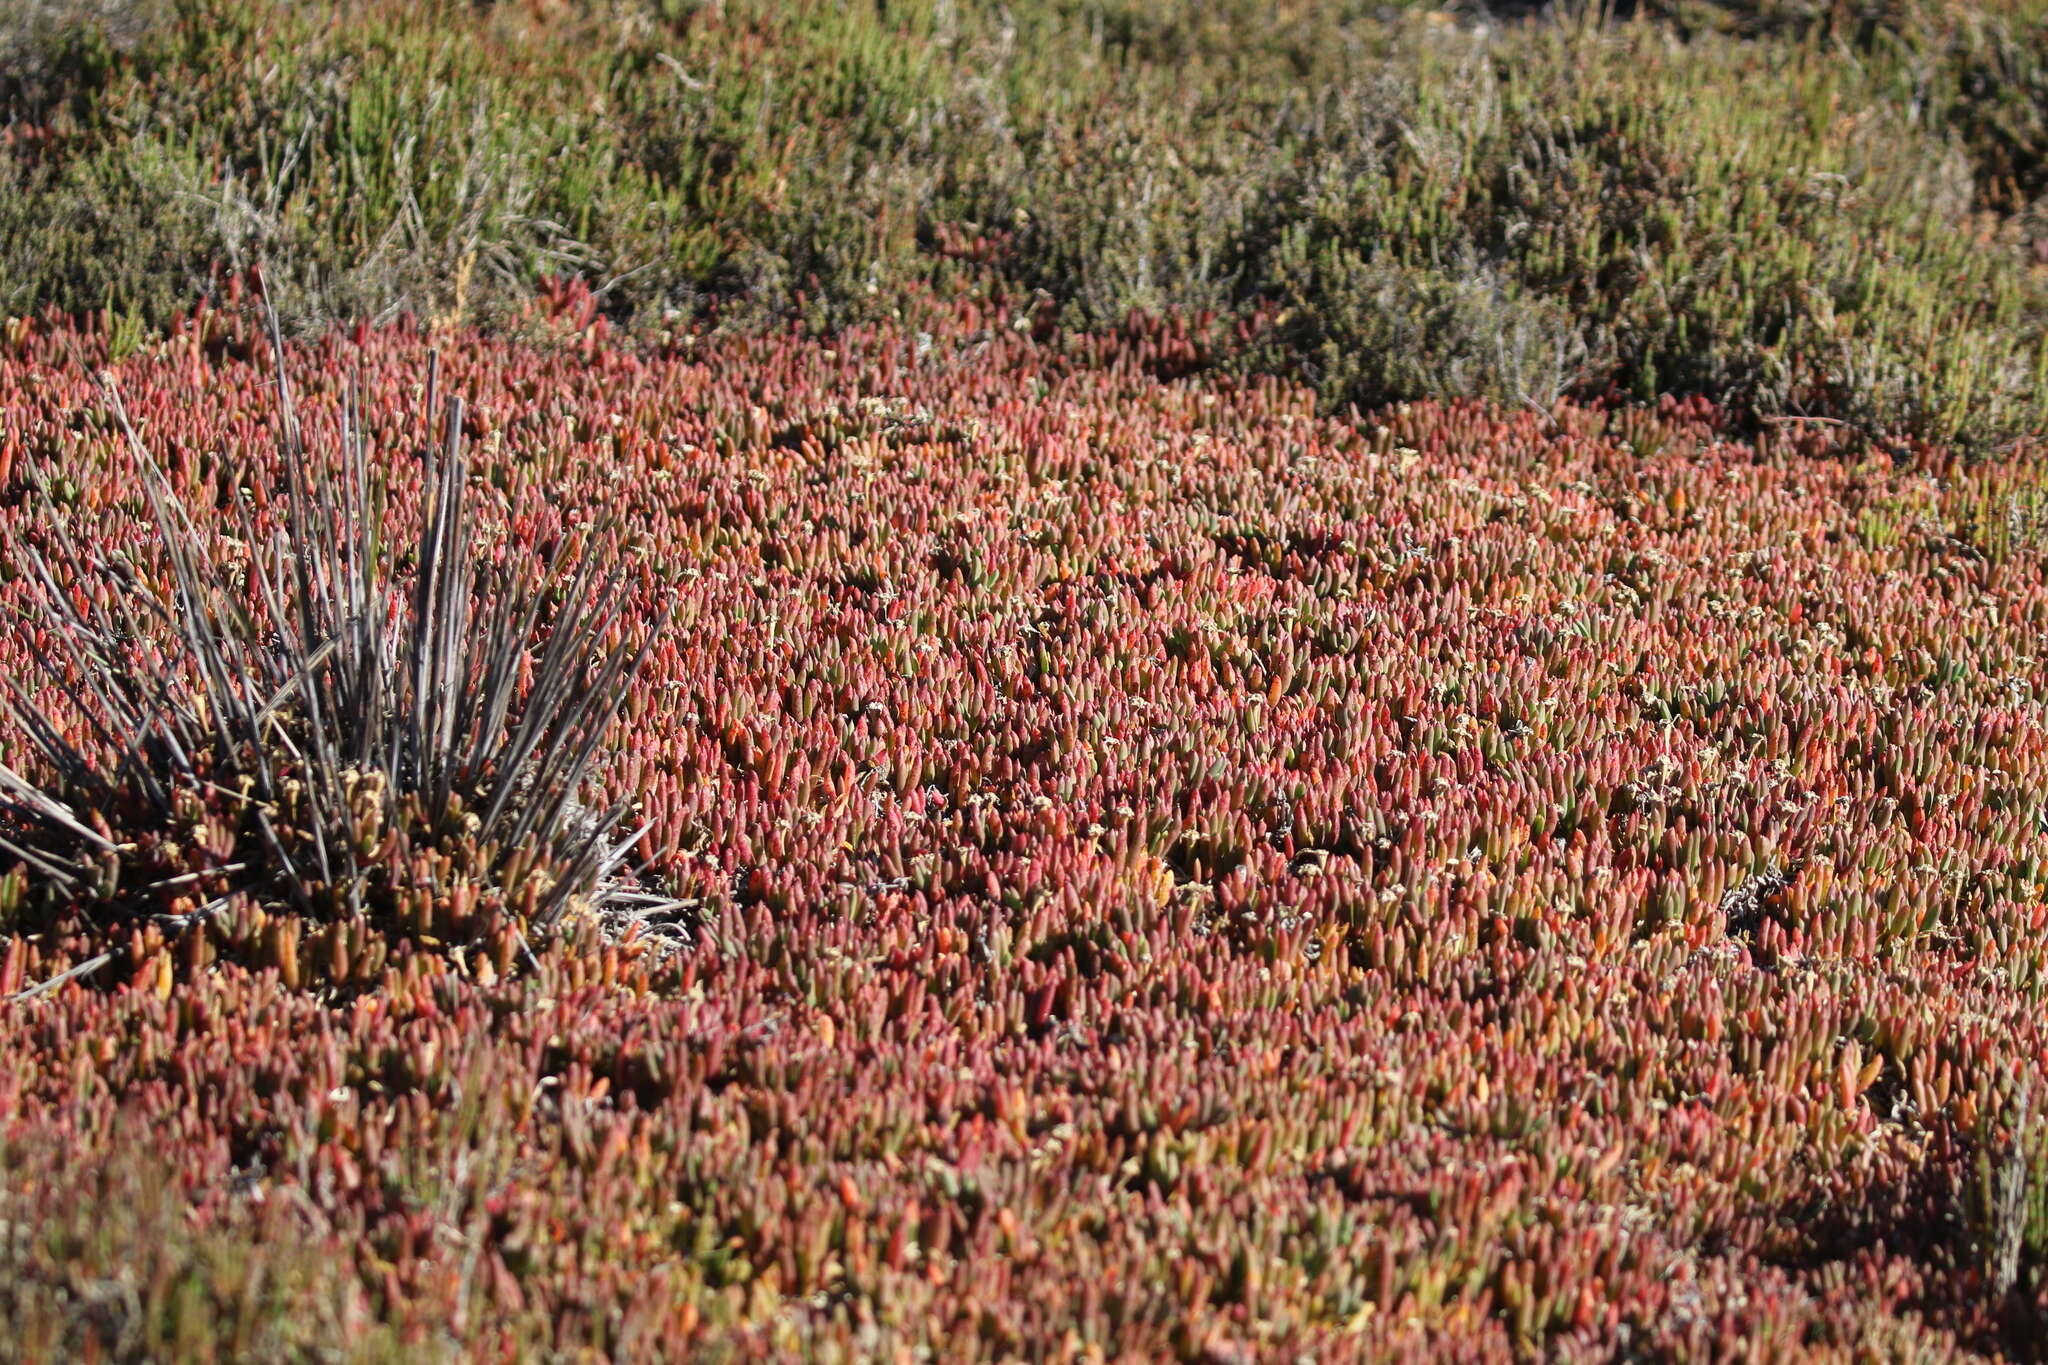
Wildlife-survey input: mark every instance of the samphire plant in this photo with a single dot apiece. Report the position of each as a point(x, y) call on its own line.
point(323, 755)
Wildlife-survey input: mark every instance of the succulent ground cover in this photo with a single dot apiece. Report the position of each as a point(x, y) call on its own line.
point(1080, 680)
point(1164, 873)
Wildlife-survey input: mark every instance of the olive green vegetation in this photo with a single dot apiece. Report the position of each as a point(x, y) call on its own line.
point(1836, 211)
point(107, 1263)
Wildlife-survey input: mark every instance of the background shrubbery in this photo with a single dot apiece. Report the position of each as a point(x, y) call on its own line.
point(1837, 211)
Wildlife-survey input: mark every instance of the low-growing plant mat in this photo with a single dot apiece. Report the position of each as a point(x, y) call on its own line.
point(1167, 875)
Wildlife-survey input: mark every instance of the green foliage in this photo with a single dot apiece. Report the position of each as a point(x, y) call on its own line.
point(105, 1263)
point(2003, 514)
point(1802, 209)
point(2005, 1202)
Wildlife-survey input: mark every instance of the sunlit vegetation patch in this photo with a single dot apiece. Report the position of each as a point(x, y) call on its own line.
point(1165, 871)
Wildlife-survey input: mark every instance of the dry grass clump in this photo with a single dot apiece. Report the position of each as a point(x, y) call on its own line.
point(308, 749)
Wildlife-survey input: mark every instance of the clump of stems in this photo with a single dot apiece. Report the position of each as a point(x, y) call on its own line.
point(335, 713)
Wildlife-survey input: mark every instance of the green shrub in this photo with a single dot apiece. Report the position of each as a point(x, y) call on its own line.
point(1801, 209)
